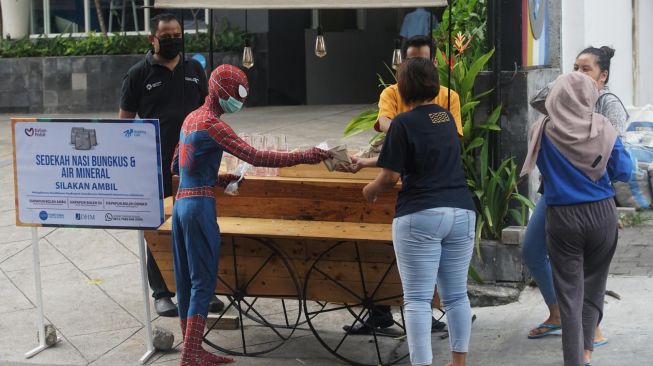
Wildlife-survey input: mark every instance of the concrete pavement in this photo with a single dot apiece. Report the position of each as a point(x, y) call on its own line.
point(92, 293)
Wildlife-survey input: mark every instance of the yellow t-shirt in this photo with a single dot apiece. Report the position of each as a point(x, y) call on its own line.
point(391, 104)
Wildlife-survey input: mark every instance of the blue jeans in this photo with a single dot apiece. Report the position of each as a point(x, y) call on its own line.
point(435, 246)
point(535, 253)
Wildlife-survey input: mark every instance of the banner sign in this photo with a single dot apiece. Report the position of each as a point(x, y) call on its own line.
point(87, 173)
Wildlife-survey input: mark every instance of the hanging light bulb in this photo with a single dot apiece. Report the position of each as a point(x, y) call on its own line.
point(248, 56)
point(396, 56)
point(320, 45)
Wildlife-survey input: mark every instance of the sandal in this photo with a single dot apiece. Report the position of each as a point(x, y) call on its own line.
point(551, 329)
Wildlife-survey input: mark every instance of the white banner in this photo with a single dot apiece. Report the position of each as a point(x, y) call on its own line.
point(297, 4)
point(100, 173)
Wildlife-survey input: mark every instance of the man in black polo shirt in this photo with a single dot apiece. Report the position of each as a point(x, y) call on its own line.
point(161, 86)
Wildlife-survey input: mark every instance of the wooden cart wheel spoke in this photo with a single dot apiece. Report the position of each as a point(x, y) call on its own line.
point(385, 275)
point(242, 328)
point(265, 321)
point(233, 246)
point(338, 283)
point(231, 304)
point(251, 305)
point(267, 260)
point(360, 270)
point(285, 311)
point(231, 289)
point(321, 311)
point(356, 320)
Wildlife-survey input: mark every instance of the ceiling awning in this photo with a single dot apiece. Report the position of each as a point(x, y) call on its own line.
point(296, 4)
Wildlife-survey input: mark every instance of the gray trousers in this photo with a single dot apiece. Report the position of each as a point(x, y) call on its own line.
point(581, 240)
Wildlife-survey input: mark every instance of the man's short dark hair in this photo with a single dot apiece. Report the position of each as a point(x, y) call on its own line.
point(418, 80)
point(165, 17)
point(418, 42)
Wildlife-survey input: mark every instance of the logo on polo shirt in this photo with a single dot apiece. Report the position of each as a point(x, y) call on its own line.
point(153, 85)
point(195, 80)
point(439, 117)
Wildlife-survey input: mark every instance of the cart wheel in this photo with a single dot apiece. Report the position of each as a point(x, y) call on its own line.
point(356, 278)
point(264, 299)
point(289, 308)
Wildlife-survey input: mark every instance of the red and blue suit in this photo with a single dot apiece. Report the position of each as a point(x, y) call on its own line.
point(203, 138)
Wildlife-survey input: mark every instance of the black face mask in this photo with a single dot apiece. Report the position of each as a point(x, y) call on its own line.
point(169, 48)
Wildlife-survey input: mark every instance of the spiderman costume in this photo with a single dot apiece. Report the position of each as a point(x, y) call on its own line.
point(195, 232)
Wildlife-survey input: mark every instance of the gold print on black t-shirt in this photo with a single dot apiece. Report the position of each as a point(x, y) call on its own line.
point(439, 117)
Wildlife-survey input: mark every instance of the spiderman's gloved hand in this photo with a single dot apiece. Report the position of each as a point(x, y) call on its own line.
point(225, 179)
point(314, 155)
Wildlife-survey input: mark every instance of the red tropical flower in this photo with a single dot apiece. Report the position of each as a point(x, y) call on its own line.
point(459, 42)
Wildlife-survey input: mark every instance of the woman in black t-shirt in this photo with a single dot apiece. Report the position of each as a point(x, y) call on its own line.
point(434, 225)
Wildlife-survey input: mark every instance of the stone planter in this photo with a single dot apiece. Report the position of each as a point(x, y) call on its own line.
point(501, 268)
point(75, 84)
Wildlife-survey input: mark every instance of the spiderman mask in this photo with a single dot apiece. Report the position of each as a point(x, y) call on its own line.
point(229, 87)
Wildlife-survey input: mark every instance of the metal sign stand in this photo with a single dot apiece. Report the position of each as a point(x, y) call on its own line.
point(146, 300)
point(39, 298)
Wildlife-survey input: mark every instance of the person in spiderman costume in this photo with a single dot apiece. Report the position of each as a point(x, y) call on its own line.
point(203, 138)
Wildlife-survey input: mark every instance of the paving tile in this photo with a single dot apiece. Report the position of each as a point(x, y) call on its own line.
point(128, 238)
point(24, 260)
point(127, 353)
point(75, 306)
point(8, 218)
point(95, 345)
point(91, 248)
point(123, 284)
point(12, 299)
point(18, 335)
point(9, 250)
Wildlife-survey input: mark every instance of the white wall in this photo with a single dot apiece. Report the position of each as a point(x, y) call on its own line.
point(645, 53)
point(601, 23)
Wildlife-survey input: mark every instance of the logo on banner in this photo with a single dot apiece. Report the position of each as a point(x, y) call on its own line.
point(134, 133)
point(84, 216)
point(44, 215)
point(39, 132)
point(108, 217)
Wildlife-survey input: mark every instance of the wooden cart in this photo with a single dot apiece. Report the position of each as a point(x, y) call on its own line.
point(303, 248)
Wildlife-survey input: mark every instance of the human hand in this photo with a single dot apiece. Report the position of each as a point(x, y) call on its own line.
point(314, 155)
point(225, 179)
point(369, 193)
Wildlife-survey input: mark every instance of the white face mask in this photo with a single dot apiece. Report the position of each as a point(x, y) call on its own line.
point(232, 105)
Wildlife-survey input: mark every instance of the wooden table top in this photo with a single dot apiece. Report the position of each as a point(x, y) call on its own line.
point(294, 229)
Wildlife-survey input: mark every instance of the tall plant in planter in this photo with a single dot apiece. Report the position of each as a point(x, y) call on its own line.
point(495, 188)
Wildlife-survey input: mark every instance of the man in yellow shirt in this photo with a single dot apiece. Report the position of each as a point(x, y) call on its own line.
point(390, 105)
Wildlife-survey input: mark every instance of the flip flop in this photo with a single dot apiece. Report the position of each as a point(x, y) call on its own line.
point(601, 343)
point(552, 330)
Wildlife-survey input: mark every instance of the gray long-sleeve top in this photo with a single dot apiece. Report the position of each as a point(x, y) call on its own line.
point(608, 105)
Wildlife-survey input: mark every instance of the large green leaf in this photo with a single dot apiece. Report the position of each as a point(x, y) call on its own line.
point(469, 106)
point(474, 69)
point(361, 123)
point(477, 142)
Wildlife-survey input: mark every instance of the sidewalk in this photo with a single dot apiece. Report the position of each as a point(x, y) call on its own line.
point(92, 289)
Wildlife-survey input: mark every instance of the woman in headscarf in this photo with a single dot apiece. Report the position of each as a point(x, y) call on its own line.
point(595, 63)
point(578, 154)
